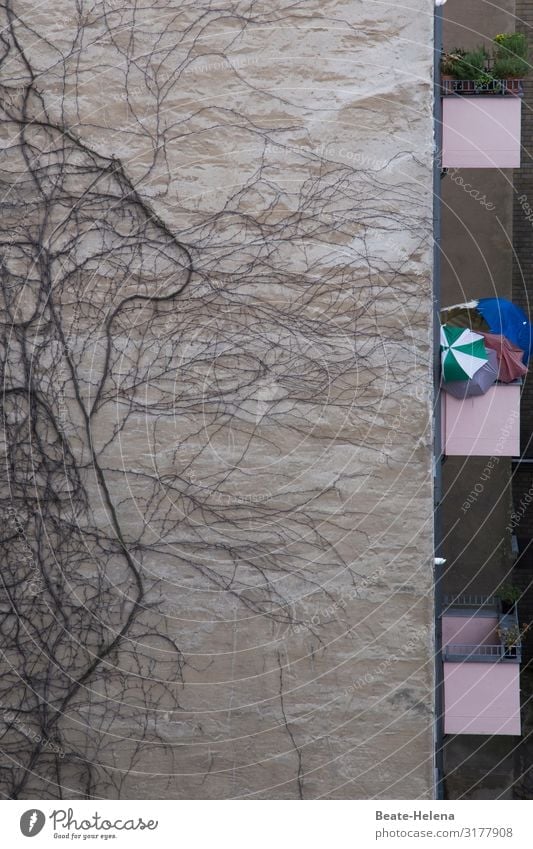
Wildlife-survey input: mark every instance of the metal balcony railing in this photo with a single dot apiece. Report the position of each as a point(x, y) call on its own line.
point(474, 602)
point(458, 653)
point(508, 624)
point(472, 87)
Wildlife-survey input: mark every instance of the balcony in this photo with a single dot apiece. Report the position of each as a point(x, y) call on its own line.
point(482, 653)
point(481, 129)
point(483, 426)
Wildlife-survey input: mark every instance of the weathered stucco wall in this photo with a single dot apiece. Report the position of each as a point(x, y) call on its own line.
point(225, 295)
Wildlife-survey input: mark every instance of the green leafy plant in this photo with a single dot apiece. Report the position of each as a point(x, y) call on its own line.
point(449, 62)
point(473, 65)
point(510, 66)
point(508, 59)
point(511, 635)
point(511, 42)
point(509, 593)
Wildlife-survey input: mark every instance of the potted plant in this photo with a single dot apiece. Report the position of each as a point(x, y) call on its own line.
point(509, 595)
point(510, 59)
point(491, 72)
point(472, 68)
point(512, 45)
point(510, 639)
point(481, 72)
point(449, 62)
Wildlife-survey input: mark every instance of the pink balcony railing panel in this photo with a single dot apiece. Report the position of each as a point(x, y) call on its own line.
point(482, 698)
point(483, 426)
point(469, 630)
point(481, 132)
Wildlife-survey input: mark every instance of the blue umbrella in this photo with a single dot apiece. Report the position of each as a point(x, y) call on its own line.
point(506, 319)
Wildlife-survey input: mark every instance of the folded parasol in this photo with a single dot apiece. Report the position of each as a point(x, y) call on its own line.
point(510, 357)
point(483, 379)
point(462, 353)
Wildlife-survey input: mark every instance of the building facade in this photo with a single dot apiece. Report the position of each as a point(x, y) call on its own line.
point(218, 388)
point(483, 527)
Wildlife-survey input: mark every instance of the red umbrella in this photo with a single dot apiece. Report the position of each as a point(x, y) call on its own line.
point(509, 356)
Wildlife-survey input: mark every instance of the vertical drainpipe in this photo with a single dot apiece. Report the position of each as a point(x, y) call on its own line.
point(437, 446)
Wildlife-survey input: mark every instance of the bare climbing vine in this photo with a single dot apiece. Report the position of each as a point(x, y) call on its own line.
point(166, 376)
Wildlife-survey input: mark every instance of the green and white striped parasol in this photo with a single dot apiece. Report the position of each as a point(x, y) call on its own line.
point(463, 353)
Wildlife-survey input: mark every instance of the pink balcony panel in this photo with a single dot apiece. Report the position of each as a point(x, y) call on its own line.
point(481, 132)
point(482, 698)
point(469, 630)
point(484, 426)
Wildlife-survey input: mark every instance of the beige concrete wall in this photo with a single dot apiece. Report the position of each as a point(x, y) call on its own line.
point(277, 478)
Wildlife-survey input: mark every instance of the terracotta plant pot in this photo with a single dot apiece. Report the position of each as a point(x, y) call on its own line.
point(446, 83)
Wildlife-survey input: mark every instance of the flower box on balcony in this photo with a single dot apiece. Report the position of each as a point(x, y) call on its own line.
point(481, 675)
point(485, 425)
point(481, 131)
point(473, 87)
